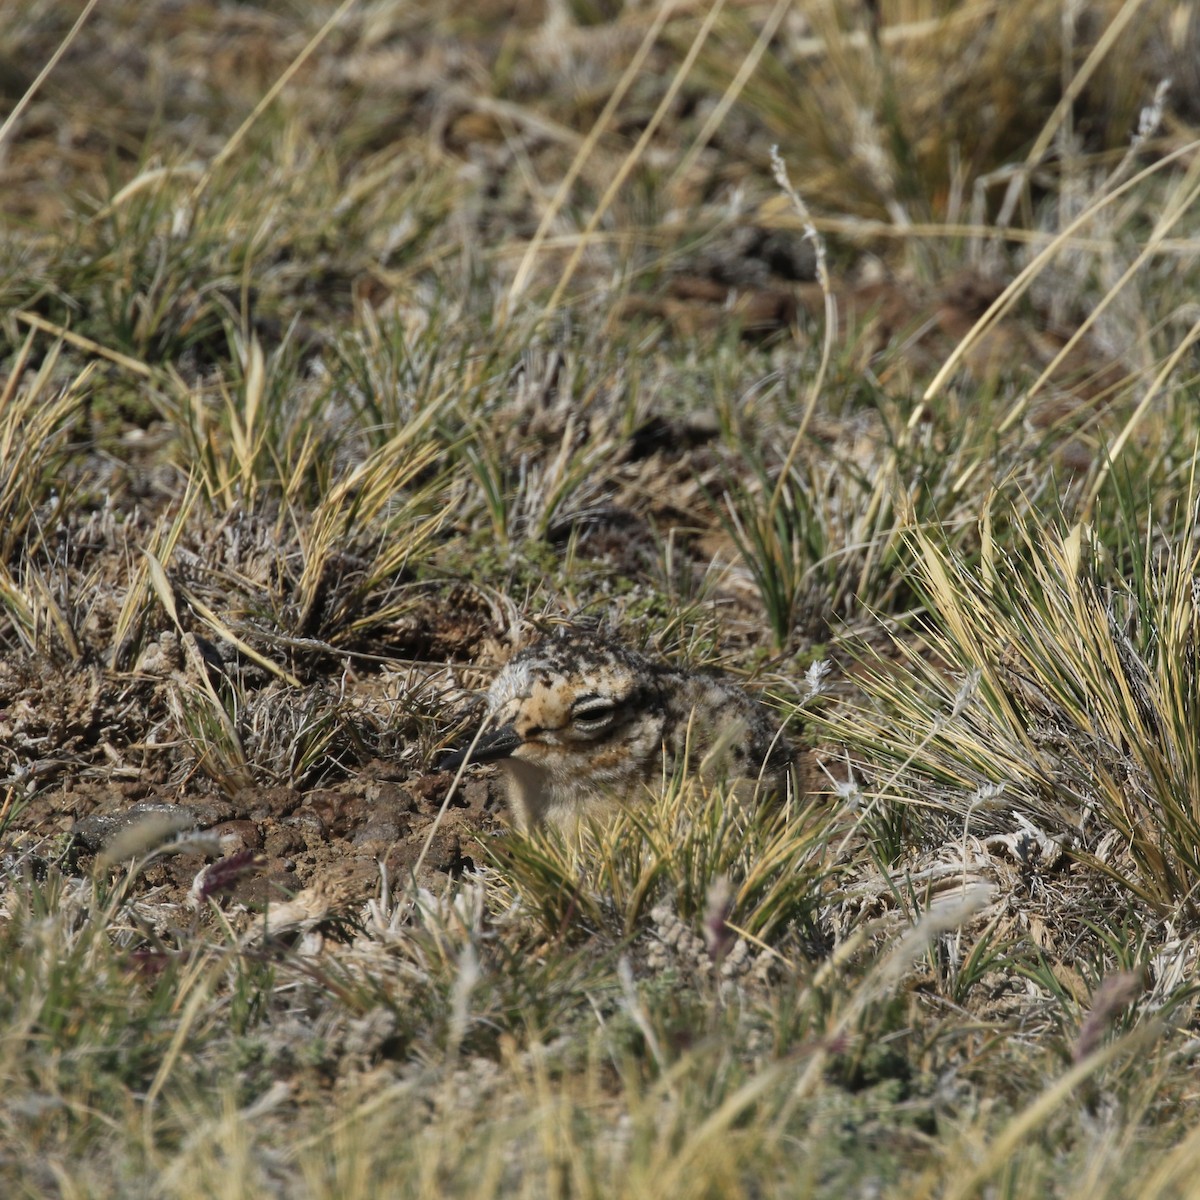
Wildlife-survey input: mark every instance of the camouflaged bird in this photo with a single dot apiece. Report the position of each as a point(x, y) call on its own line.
point(580, 725)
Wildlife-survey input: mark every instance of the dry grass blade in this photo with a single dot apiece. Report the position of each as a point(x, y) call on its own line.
point(1005, 302)
point(1081, 711)
point(884, 976)
point(1152, 392)
point(635, 154)
point(1104, 45)
point(678, 847)
point(627, 80)
point(999, 1152)
point(371, 497)
point(47, 67)
point(831, 316)
point(36, 416)
point(150, 577)
point(161, 586)
point(212, 722)
point(85, 343)
point(270, 96)
point(222, 630)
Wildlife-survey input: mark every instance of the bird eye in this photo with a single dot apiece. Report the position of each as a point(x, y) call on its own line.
point(593, 713)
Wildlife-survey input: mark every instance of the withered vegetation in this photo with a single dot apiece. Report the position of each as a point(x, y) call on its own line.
point(845, 346)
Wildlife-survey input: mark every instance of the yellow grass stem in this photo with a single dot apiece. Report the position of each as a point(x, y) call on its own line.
point(634, 155)
point(628, 77)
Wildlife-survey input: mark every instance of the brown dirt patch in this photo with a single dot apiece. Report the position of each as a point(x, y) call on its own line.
point(345, 834)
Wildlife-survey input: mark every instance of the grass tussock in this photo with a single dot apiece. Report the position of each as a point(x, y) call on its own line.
point(757, 870)
point(1074, 705)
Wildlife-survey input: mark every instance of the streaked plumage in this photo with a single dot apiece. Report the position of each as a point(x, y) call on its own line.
point(580, 724)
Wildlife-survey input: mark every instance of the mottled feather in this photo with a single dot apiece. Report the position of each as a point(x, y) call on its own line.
point(580, 725)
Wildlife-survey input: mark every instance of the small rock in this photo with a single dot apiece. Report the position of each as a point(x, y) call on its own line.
point(238, 835)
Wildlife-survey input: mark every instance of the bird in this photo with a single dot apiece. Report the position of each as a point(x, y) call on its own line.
point(581, 725)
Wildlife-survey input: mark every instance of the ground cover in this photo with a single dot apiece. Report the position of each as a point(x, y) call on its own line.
point(846, 348)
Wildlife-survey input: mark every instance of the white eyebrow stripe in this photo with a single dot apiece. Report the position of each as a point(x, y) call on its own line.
point(512, 681)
